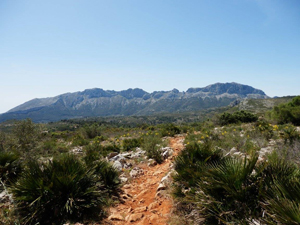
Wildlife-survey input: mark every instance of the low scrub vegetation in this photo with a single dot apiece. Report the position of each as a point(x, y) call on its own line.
point(237, 117)
point(234, 169)
point(151, 145)
point(61, 189)
point(224, 176)
point(288, 112)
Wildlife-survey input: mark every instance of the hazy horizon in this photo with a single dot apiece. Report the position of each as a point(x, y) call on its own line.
point(51, 48)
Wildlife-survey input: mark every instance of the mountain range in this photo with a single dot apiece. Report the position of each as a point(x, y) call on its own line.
point(98, 102)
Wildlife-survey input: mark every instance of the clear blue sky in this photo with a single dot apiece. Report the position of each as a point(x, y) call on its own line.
point(52, 47)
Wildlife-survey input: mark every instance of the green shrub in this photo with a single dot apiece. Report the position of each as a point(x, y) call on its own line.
point(151, 145)
point(26, 134)
point(237, 117)
point(79, 140)
point(288, 113)
point(290, 134)
point(190, 163)
point(131, 143)
point(169, 130)
point(109, 175)
point(92, 131)
point(264, 128)
point(58, 190)
point(229, 192)
point(10, 166)
point(96, 150)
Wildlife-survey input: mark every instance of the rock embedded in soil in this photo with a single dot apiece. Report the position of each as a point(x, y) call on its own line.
point(161, 186)
point(118, 165)
point(112, 154)
point(134, 217)
point(136, 171)
point(153, 205)
point(140, 209)
point(116, 216)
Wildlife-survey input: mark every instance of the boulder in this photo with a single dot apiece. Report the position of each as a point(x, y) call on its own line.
point(160, 187)
point(112, 154)
point(118, 165)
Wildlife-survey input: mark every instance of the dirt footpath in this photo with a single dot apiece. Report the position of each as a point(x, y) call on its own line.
point(144, 197)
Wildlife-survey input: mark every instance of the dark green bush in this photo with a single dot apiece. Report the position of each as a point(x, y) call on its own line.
point(151, 145)
point(229, 192)
point(169, 130)
point(96, 150)
point(109, 175)
point(79, 140)
point(58, 190)
point(288, 113)
point(237, 117)
point(191, 162)
point(92, 131)
point(131, 143)
point(26, 134)
point(264, 128)
point(290, 134)
point(10, 166)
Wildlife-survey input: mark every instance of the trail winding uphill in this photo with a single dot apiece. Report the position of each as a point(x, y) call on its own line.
point(144, 198)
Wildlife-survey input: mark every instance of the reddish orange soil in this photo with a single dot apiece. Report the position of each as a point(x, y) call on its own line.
point(142, 204)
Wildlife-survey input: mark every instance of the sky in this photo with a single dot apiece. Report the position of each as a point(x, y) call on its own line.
point(52, 47)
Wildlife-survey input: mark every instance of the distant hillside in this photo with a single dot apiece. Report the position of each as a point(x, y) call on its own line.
point(262, 105)
point(98, 102)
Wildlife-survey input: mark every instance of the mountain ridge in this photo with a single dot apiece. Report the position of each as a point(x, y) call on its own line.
point(99, 102)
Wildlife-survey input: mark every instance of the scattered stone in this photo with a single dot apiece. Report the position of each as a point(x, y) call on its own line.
point(125, 196)
point(153, 205)
point(127, 165)
point(5, 197)
point(118, 165)
point(116, 216)
point(118, 157)
point(127, 186)
point(157, 173)
point(233, 150)
point(112, 154)
point(161, 186)
point(166, 179)
point(152, 162)
point(158, 194)
point(153, 217)
point(136, 171)
point(141, 193)
point(166, 152)
point(134, 217)
point(140, 209)
point(77, 150)
point(123, 179)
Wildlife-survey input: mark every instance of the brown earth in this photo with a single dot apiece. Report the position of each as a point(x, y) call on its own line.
point(142, 202)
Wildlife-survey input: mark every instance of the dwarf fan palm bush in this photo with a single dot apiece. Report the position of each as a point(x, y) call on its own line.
point(53, 191)
point(192, 161)
point(109, 175)
point(281, 197)
point(229, 192)
point(282, 203)
point(10, 166)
